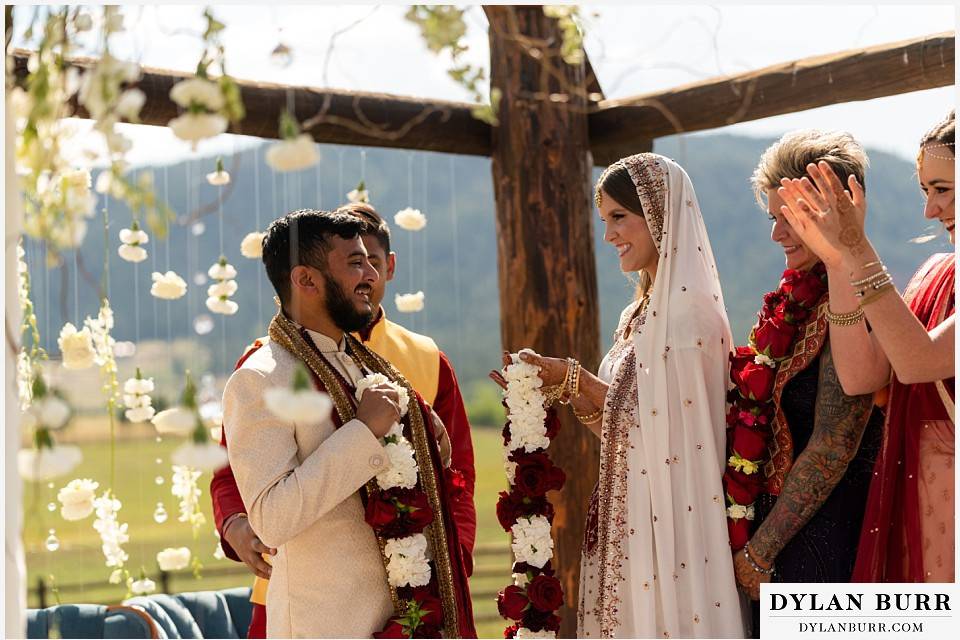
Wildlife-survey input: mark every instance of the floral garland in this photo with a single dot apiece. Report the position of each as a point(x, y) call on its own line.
point(753, 371)
point(532, 600)
point(398, 510)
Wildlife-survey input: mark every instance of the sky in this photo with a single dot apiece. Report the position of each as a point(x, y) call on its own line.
point(634, 49)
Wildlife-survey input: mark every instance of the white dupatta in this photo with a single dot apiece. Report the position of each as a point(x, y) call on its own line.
point(666, 568)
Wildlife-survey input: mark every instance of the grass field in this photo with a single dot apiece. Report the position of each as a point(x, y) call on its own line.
point(78, 569)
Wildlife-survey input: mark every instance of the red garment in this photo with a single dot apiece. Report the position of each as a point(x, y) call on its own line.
point(258, 622)
point(891, 538)
point(450, 408)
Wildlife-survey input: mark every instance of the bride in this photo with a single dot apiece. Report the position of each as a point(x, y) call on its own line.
point(656, 560)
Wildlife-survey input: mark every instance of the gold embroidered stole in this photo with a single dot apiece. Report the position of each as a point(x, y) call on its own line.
point(807, 347)
point(286, 334)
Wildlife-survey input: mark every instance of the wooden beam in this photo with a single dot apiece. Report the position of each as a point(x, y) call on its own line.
point(340, 117)
point(545, 263)
point(847, 76)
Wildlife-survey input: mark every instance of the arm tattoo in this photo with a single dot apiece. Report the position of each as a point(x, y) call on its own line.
point(839, 423)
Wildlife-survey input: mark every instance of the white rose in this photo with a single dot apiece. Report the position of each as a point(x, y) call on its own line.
point(140, 414)
point(223, 307)
point(293, 155)
point(252, 245)
point(523, 633)
point(222, 272)
point(532, 542)
point(403, 571)
point(197, 91)
point(177, 421)
point(410, 219)
point(403, 398)
point(409, 302)
point(223, 289)
point(143, 586)
point(402, 471)
point(218, 178)
point(168, 286)
point(130, 103)
point(764, 360)
point(46, 463)
point(209, 456)
point(173, 558)
point(132, 253)
point(134, 236)
point(76, 347)
point(305, 406)
point(358, 195)
point(138, 385)
point(77, 498)
point(53, 412)
point(193, 127)
point(736, 511)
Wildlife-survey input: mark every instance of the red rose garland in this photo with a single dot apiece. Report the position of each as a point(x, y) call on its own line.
point(753, 369)
point(532, 601)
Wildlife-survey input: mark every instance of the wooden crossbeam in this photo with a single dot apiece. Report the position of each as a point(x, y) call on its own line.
point(847, 76)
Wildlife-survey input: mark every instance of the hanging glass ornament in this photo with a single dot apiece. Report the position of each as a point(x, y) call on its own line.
point(52, 543)
point(160, 514)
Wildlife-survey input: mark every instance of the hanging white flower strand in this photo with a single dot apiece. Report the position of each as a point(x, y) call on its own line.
point(219, 177)
point(143, 585)
point(76, 347)
point(295, 151)
point(359, 194)
point(113, 534)
point(167, 286)
point(218, 300)
point(46, 460)
point(136, 398)
point(184, 486)
point(77, 498)
point(200, 452)
point(410, 219)
point(132, 240)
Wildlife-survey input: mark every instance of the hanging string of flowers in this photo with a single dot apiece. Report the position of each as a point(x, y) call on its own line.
point(532, 600)
point(753, 371)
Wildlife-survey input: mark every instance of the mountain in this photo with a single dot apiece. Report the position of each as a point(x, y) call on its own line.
point(453, 260)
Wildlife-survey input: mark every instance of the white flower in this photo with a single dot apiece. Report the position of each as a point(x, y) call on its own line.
point(143, 586)
point(130, 103)
point(83, 22)
point(520, 579)
point(221, 306)
point(183, 485)
point(77, 498)
point(509, 466)
point(218, 178)
point(208, 456)
point(252, 245)
point(76, 347)
point(198, 92)
point(116, 576)
point(222, 271)
point(178, 421)
point(139, 386)
point(139, 414)
point(132, 253)
point(134, 236)
point(403, 398)
point(409, 302)
point(173, 558)
point(304, 406)
point(402, 471)
point(51, 412)
point(112, 533)
point(524, 633)
point(360, 194)
point(168, 286)
point(765, 360)
point(410, 219)
point(532, 542)
point(193, 127)
point(407, 561)
point(222, 289)
point(47, 463)
point(294, 154)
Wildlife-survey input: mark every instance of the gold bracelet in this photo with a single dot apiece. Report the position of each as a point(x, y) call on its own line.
point(575, 384)
point(590, 418)
point(875, 286)
point(875, 263)
point(551, 394)
point(873, 297)
point(879, 275)
point(572, 365)
point(844, 319)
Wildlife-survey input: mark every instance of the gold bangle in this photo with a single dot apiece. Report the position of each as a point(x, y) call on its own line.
point(879, 275)
point(875, 286)
point(575, 384)
point(875, 263)
point(879, 293)
point(572, 365)
point(589, 418)
point(844, 319)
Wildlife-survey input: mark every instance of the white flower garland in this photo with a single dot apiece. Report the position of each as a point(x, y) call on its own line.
point(184, 486)
point(136, 398)
point(132, 240)
point(219, 294)
point(77, 498)
point(407, 561)
point(112, 533)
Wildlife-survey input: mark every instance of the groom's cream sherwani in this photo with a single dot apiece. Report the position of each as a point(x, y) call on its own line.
point(300, 483)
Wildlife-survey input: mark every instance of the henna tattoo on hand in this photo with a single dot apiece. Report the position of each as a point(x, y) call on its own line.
point(851, 235)
point(839, 422)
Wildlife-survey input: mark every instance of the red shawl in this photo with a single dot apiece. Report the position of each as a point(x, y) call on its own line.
point(891, 538)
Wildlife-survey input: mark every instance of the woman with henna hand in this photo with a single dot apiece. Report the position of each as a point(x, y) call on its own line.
point(908, 532)
point(655, 560)
point(801, 449)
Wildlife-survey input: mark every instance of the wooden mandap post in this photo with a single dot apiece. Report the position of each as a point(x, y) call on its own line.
point(546, 268)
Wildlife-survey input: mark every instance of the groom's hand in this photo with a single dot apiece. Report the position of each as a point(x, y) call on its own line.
point(379, 409)
point(240, 535)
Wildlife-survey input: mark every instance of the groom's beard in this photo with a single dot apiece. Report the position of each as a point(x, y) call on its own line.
point(343, 312)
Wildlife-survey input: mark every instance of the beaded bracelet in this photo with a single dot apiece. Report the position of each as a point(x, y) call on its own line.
point(571, 378)
point(591, 418)
point(844, 319)
point(879, 275)
point(873, 297)
point(876, 286)
point(753, 563)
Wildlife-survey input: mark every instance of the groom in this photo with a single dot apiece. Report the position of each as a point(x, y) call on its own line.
point(306, 482)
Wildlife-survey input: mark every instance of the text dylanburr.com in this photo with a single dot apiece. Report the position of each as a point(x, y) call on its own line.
point(794, 610)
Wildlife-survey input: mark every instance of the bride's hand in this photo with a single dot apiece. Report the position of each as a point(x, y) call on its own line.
point(553, 371)
point(496, 376)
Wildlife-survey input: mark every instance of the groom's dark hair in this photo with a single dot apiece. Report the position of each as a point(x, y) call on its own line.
point(302, 237)
point(374, 225)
